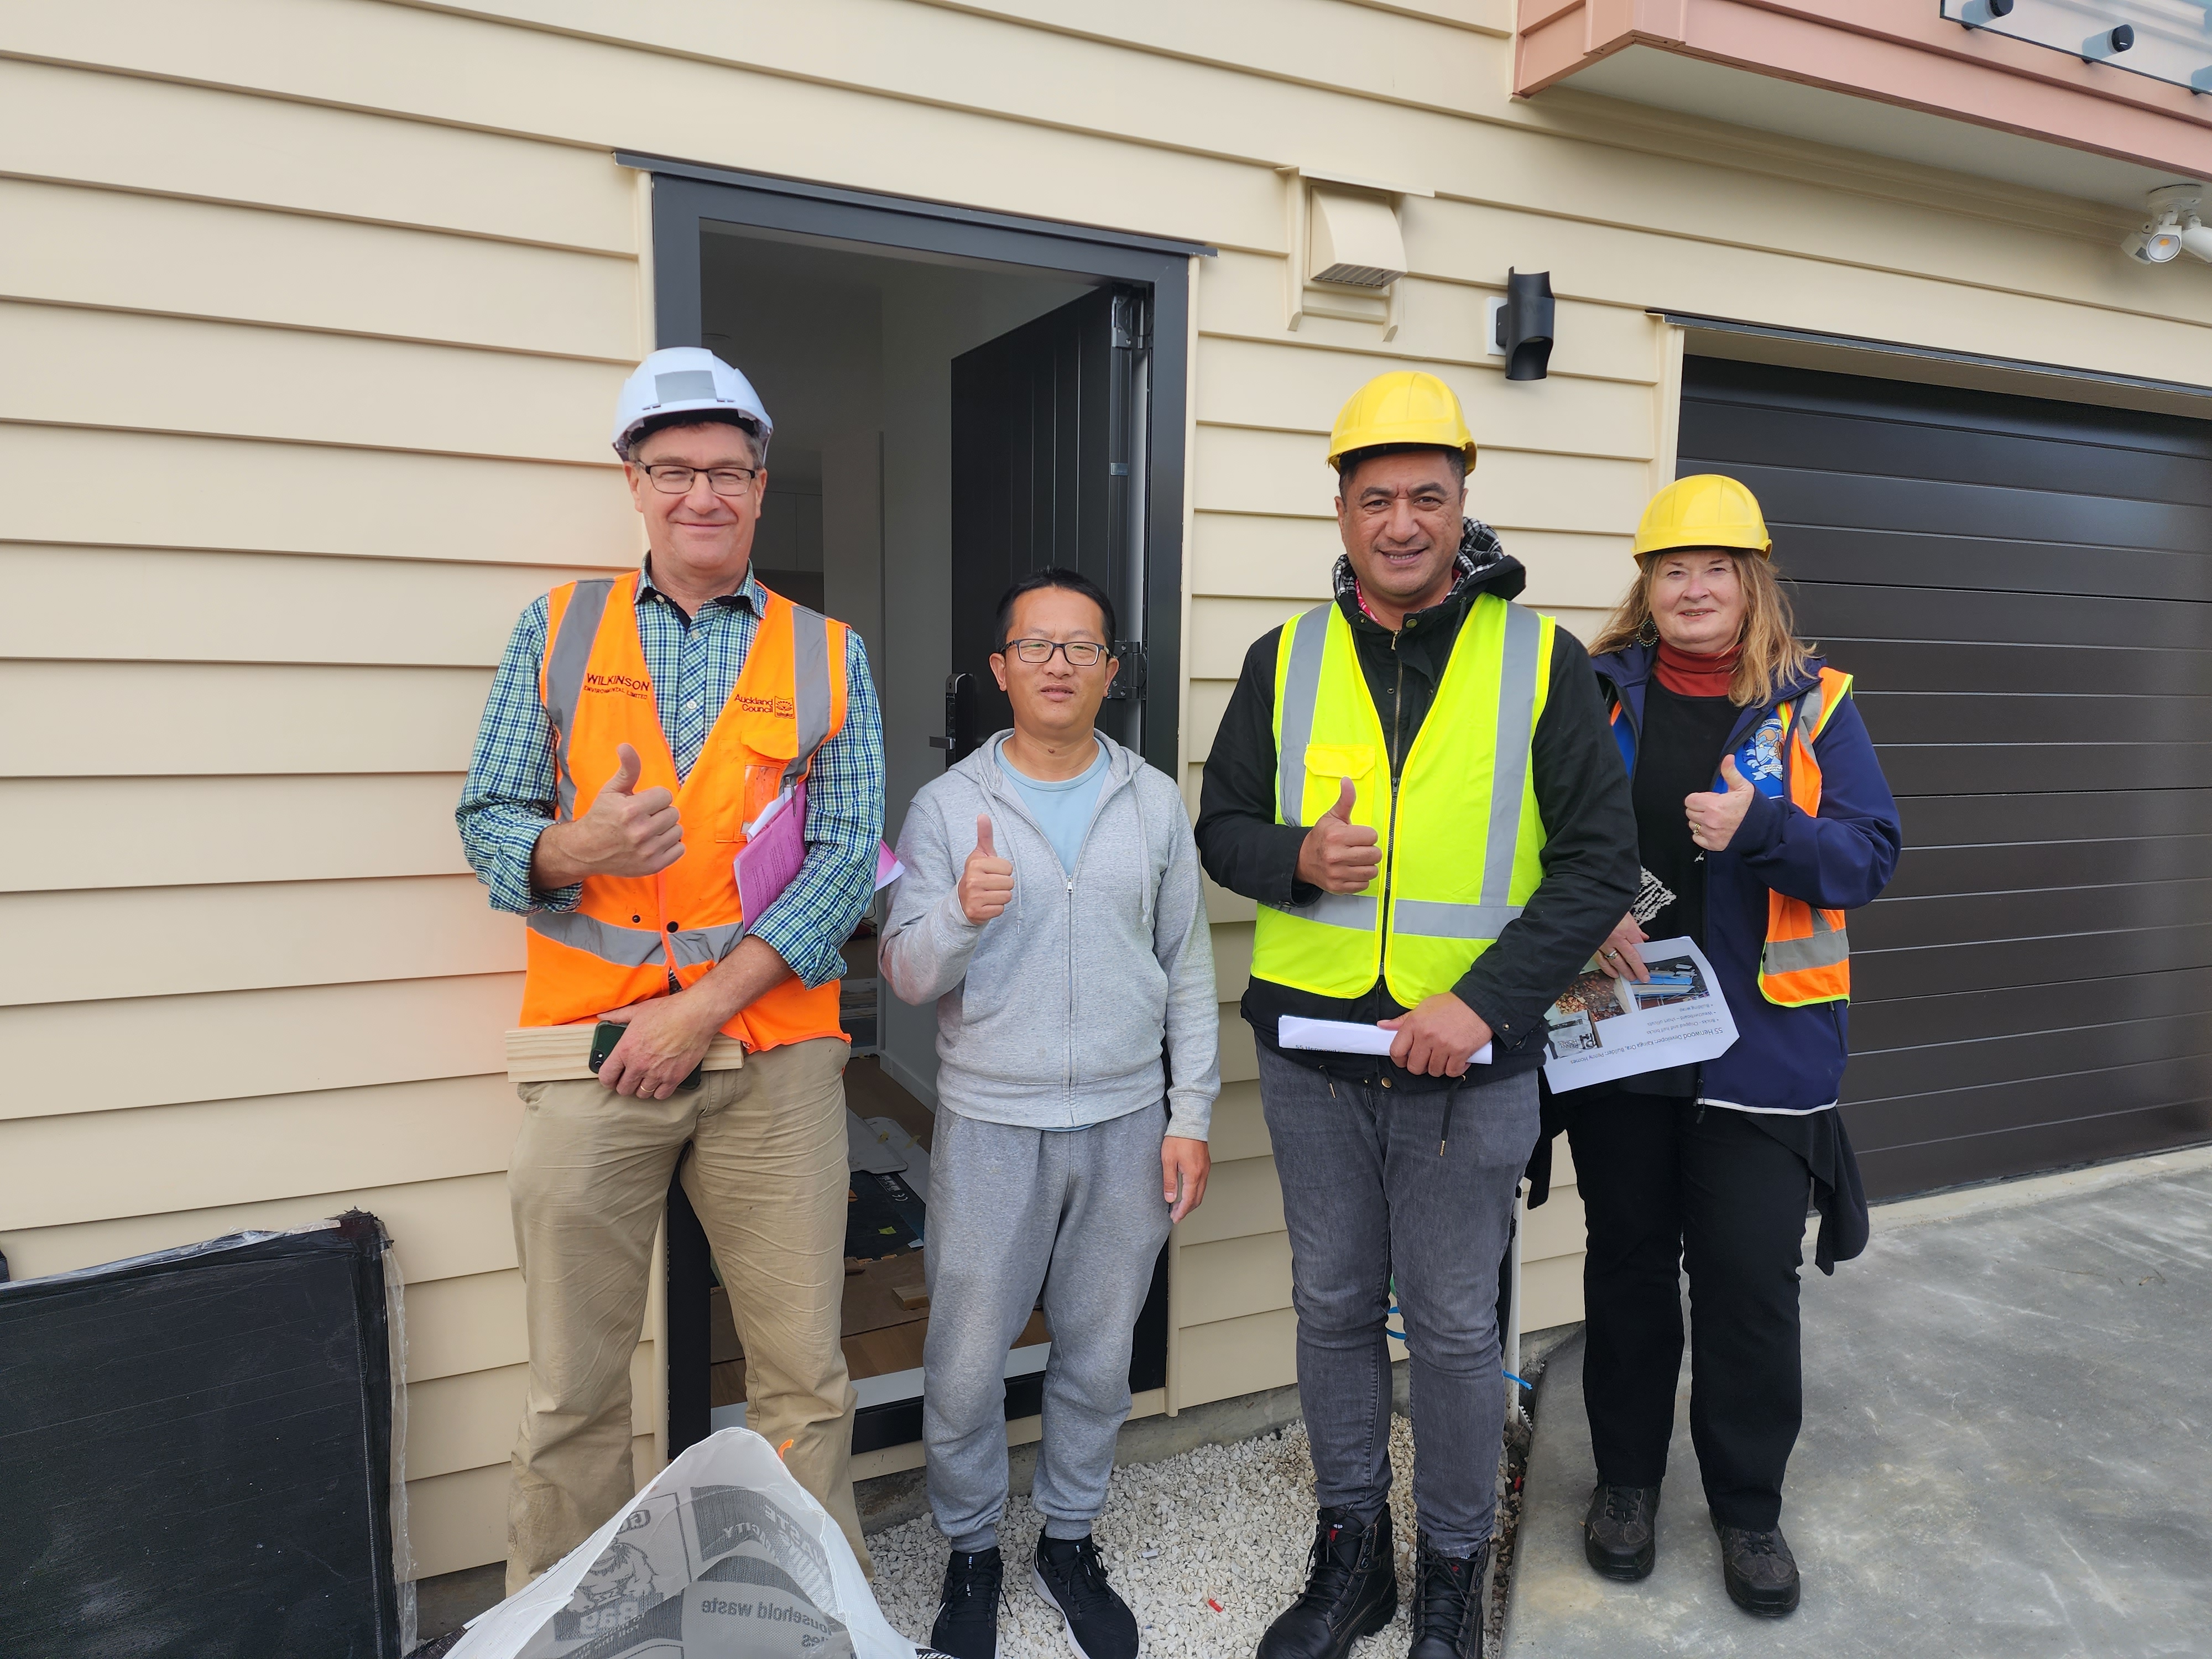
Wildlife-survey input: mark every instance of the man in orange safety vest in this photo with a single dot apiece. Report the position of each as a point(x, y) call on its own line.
point(639, 731)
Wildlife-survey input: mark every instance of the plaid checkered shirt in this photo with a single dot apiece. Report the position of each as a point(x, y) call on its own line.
point(508, 798)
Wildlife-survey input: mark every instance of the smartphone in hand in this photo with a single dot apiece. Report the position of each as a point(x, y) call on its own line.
point(609, 1032)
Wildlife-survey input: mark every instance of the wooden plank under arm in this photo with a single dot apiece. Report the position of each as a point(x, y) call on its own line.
point(547, 1054)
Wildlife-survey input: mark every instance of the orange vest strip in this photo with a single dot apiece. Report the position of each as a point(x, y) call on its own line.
point(1808, 957)
point(632, 937)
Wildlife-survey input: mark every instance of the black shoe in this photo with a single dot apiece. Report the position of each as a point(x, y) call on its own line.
point(1450, 1609)
point(967, 1625)
point(1760, 1573)
point(1352, 1591)
point(1620, 1534)
point(1070, 1575)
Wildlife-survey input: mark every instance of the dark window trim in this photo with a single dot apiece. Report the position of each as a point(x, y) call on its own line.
point(1934, 354)
point(688, 198)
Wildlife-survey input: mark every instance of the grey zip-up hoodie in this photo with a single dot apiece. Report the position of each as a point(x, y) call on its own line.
point(1052, 1015)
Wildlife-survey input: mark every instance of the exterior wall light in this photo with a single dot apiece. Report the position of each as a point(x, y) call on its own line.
point(2174, 226)
point(2154, 244)
point(1518, 327)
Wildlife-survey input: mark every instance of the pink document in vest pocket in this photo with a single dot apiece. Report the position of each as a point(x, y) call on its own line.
point(776, 846)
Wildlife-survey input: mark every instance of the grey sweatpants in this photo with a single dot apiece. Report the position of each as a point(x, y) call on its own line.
point(1079, 1213)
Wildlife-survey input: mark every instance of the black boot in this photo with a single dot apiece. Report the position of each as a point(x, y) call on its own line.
point(1620, 1534)
point(967, 1625)
point(1760, 1573)
point(1352, 1591)
point(1450, 1605)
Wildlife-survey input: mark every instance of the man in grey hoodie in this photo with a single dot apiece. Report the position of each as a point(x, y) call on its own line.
point(1051, 908)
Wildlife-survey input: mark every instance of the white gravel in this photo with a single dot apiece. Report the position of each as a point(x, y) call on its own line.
point(1230, 1526)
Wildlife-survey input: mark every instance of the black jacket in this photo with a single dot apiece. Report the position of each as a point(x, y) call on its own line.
point(1590, 871)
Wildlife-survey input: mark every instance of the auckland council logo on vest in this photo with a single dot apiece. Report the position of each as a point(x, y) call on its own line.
point(779, 707)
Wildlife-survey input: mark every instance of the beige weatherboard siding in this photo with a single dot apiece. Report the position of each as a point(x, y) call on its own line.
point(313, 312)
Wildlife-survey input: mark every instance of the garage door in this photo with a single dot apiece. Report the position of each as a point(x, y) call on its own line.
point(2023, 589)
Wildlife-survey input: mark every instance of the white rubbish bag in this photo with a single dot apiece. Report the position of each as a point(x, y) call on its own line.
point(723, 1556)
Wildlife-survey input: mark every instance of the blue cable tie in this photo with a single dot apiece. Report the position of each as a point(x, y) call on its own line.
point(1523, 1381)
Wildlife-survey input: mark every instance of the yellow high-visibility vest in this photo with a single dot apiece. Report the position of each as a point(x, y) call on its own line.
point(1460, 837)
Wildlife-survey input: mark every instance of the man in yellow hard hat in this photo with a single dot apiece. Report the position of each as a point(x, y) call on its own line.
point(1415, 781)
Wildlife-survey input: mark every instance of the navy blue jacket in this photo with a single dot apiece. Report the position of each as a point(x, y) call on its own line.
point(1788, 1059)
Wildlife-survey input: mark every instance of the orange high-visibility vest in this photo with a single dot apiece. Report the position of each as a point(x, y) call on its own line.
point(1807, 954)
point(1808, 957)
point(631, 937)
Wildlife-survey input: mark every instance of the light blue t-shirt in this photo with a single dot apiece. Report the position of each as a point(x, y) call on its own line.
point(1064, 808)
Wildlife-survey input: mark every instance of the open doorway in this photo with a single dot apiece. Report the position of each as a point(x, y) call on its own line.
point(959, 398)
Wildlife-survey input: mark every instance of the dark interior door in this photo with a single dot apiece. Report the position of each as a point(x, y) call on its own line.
point(2024, 591)
point(1048, 468)
point(1047, 460)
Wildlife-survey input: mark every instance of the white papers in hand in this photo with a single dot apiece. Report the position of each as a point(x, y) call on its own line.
point(1604, 1028)
point(1346, 1036)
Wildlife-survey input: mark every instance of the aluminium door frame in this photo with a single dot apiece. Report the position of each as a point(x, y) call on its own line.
point(687, 198)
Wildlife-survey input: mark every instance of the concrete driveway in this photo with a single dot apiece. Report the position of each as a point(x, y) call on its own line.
point(2007, 1449)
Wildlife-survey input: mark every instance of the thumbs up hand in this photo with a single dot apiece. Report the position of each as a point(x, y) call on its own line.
point(987, 881)
point(624, 833)
point(1714, 817)
point(1338, 855)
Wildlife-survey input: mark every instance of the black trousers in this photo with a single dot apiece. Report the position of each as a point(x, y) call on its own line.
point(1663, 1189)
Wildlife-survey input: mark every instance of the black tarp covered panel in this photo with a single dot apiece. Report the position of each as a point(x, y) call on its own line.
point(196, 1453)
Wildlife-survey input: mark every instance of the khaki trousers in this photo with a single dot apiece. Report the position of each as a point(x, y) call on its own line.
point(588, 1181)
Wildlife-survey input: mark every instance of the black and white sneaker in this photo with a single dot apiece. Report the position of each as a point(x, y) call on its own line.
point(967, 1625)
point(1070, 1575)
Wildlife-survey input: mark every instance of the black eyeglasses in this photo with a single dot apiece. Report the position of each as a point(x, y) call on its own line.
point(670, 479)
point(1080, 653)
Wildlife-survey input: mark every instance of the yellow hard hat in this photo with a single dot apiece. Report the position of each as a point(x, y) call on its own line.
point(1402, 407)
point(1704, 510)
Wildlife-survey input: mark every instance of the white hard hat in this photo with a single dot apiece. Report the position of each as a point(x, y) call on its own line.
point(678, 380)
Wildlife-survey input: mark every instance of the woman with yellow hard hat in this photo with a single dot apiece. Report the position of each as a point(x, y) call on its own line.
point(1762, 816)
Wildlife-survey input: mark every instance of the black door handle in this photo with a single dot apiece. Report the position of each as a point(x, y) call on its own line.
point(959, 740)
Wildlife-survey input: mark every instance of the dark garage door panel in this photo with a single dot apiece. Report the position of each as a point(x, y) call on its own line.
point(2023, 590)
point(1912, 559)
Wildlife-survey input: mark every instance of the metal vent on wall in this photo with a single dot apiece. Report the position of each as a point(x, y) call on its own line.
point(1354, 240)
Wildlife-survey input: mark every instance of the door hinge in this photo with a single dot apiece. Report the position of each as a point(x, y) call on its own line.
point(1130, 681)
point(1130, 328)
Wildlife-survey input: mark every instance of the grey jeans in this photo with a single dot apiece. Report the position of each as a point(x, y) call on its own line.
point(1368, 1199)
point(1079, 1213)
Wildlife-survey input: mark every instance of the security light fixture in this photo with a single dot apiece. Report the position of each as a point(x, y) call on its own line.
point(2175, 226)
point(1518, 327)
point(2154, 244)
